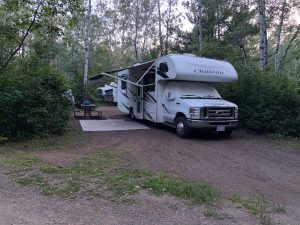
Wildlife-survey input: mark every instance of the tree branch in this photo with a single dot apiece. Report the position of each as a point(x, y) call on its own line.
point(22, 41)
point(289, 45)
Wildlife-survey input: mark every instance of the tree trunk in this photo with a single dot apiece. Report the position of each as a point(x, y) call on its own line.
point(86, 51)
point(263, 39)
point(75, 51)
point(218, 20)
point(136, 30)
point(159, 28)
point(146, 31)
point(168, 26)
point(278, 36)
point(199, 23)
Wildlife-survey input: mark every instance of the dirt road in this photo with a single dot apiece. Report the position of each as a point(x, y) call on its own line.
point(245, 164)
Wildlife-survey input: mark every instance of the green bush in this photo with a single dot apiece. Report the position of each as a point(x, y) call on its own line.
point(268, 102)
point(32, 101)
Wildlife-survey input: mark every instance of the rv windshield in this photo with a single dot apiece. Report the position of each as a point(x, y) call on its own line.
point(196, 90)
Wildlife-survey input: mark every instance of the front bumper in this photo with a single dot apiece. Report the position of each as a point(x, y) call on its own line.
point(201, 124)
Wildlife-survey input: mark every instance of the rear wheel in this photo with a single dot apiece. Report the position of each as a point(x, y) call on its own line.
point(182, 129)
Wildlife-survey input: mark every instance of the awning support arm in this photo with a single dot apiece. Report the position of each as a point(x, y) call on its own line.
point(119, 78)
point(146, 72)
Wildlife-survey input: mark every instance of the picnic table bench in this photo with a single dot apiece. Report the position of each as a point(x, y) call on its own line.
point(87, 111)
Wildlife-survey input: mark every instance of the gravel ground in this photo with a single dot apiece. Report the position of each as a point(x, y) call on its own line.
point(26, 206)
point(245, 164)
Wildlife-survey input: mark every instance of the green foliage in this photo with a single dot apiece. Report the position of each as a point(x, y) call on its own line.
point(256, 206)
point(48, 189)
point(194, 191)
point(32, 101)
point(268, 102)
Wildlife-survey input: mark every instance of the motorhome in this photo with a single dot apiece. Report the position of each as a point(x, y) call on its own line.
point(177, 90)
point(108, 93)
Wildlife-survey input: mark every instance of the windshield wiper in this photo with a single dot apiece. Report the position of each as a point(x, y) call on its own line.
point(190, 96)
point(211, 97)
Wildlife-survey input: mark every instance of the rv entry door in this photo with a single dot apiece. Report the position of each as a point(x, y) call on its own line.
point(139, 103)
point(149, 96)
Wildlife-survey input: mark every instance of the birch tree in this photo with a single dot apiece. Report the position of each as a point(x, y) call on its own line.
point(159, 27)
point(75, 46)
point(199, 23)
point(263, 39)
point(86, 51)
point(172, 23)
point(278, 35)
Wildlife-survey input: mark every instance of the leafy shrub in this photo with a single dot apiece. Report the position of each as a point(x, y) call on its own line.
point(268, 102)
point(32, 101)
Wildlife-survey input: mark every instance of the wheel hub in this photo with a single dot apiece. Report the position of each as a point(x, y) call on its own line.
point(180, 128)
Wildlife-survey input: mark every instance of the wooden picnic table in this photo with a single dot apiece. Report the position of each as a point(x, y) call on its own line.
point(87, 109)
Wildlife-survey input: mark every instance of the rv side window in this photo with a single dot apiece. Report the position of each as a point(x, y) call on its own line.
point(123, 85)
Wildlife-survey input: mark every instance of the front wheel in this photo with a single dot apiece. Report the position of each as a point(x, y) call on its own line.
point(182, 129)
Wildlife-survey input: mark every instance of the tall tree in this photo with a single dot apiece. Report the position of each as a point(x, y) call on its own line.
point(199, 23)
point(263, 38)
point(159, 27)
point(24, 19)
point(136, 28)
point(278, 35)
point(86, 50)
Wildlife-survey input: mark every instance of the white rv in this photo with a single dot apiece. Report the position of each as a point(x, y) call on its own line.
point(108, 93)
point(178, 90)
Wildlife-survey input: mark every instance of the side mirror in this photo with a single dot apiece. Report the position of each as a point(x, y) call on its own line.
point(163, 67)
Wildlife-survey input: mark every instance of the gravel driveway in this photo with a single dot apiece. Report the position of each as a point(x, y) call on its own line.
point(245, 164)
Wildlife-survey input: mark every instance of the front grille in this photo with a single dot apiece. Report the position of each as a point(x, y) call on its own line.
point(216, 113)
point(219, 123)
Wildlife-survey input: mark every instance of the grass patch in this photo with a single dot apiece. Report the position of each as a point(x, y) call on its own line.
point(258, 207)
point(132, 180)
point(278, 208)
point(213, 214)
point(105, 171)
point(47, 189)
point(254, 206)
point(127, 181)
point(39, 182)
point(72, 187)
point(195, 191)
point(19, 161)
point(94, 166)
point(46, 142)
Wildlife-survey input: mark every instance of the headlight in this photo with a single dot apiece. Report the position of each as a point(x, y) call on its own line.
point(236, 112)
point(195, 113)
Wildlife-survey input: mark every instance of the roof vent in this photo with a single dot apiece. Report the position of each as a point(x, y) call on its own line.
point(189, 54)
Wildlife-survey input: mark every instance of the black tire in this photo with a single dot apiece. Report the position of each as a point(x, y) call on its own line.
point(225, 133)
point(131, 114)
point(182, 129)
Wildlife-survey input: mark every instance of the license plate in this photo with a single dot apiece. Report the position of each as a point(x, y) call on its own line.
point(220, 128)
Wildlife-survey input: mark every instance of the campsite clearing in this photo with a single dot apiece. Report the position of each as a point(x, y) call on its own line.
point(81, 178)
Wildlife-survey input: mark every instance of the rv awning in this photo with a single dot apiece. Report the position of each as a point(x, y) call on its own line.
point(138, 70)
